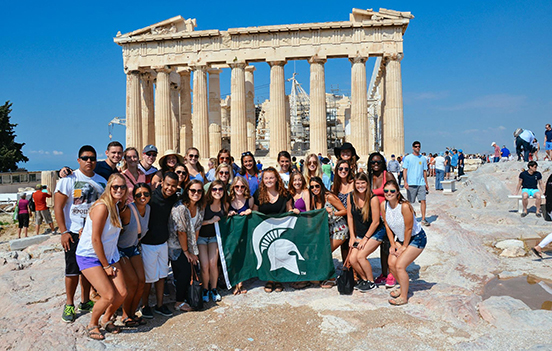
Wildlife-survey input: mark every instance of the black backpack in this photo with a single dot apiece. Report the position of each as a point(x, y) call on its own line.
point(32, 206)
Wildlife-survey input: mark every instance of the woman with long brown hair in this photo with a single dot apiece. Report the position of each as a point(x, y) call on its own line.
point(195, 169)
point(299, 192)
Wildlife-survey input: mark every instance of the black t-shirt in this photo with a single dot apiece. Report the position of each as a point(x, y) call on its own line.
point(158, 232)
point(105, 170)
point(268, 208)
point(208, 231)
point(530, 181)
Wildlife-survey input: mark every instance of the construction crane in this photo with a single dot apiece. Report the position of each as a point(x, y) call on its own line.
point(117, 120)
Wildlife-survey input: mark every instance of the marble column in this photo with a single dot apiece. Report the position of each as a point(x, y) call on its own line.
point(277, 124)
point(250, 107)
point(393, 137)
point(200, 116)
point(185, 110)
point(49, 178)
point(175, 113)
point(360, 125)
point(238, 117)
point(148, 116)
point(134, 111)
point(215, 135)
point(163, 119)
point(318, 130)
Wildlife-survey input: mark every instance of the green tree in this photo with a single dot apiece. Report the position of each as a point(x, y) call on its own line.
point(10, 151)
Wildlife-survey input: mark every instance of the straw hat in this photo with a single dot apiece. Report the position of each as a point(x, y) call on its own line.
point(168, 153)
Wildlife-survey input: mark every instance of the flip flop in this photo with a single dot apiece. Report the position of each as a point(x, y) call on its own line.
point(399, 301)
point(94, 335)
point(328, 284)
point(183, 307)
point(269, 287)
point(395, 293)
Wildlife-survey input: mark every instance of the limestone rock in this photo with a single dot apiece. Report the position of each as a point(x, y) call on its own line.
point(510, 244)
point(508, 274)
point(505, 312)
point(513, 252)
point(20, 244)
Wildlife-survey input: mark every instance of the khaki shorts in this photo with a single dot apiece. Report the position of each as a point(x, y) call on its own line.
point(43, 215)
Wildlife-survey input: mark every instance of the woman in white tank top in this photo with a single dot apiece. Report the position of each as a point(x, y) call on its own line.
point(406, 236)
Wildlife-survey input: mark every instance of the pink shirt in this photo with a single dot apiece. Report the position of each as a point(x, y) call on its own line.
point(497, 151)
point(131, 181)
point(23, 206)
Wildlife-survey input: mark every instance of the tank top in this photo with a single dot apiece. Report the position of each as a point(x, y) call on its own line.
point(343, 198)
point(110, 236)
point(395, 220)
point(242, 209)
point(129, 234)
point(379, 191)
point(361, 227)
point(300, 205)
point(198, 177)
point(208, 231)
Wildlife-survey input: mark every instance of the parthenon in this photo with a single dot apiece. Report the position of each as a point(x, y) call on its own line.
point(160, 59)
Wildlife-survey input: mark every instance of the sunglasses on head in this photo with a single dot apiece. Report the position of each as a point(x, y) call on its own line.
point(392, 191)
point(247, 153)
point(195, 191)
point(193, 156)
point(86, 158)
point(117, 187)
point(144, 194)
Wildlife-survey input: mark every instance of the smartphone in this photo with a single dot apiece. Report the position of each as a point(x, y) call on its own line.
point(355, 244)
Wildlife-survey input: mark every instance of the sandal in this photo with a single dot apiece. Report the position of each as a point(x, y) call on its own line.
point(269, 287)
point(395, 293)
point(328, 284)
point(278, 287)
point(536, 252)
point(183, 307)
point(130, 323)
point(110, 327)
point(399, 301)
point(238, 289)
point(94, 335)
point(300, 285)
point(140, 320)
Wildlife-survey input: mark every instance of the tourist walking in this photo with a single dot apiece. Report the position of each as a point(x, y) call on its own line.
point(131, 172)
point(42, 212)
point(149, 155)
point(135, 218)
point(72, 199)
point(98, 256)
point(195, 169)
point(530, 184)
point(363, 217)
point(272, 198)
point(415, 178)
point(440, 168)
point(407, 238)
point(250, 171)
point(154, 244)
point(23, 215)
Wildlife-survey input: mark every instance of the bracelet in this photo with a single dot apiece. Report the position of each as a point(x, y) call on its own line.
point(65, 232)
point(106, 267)
point(185, 250)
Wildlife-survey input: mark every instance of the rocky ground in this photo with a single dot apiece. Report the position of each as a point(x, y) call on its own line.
point(446, 310)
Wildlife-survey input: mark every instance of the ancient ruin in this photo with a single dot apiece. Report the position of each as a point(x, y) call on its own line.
point(166, 53)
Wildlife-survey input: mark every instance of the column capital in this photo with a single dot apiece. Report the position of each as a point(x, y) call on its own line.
point(166, 69)
point(129, 72)
point(277, 62)
point(396, 56)
point(237, 65)
point(358, 59)
point(214, 70)
point(250, 68)
point(199, 67)
point(317, 59)
point(183, 71)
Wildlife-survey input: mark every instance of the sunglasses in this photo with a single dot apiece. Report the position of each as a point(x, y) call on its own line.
point(151, 154)
point(239, 186)
point(247, 153)
point(417, 146)
point(392, 191)
point(343, 169)
point(375, 162)
point(117, 187)
point(193, 156)
point(224, 173)
point(312, 163)
point(144, 194)
point(315, 186)
point(224, 158)
point(86, 158)
point(218, 189)
point(195, 191)
point(180, 172)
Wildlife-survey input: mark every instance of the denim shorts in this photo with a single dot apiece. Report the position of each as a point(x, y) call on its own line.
point(129, 252)
point(206, 240)
point(419, 240)
point(548, 145)
point(380, 234)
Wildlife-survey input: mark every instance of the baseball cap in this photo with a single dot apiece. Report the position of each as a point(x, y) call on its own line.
point(150, 148)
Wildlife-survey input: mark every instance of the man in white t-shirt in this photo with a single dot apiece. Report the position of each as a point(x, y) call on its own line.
point(439, 171)
point(72, 199)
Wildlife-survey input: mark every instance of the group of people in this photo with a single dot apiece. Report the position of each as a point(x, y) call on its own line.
point(122, 227)
point(36, 204)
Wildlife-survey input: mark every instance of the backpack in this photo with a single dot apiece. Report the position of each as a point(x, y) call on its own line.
point(32, 206)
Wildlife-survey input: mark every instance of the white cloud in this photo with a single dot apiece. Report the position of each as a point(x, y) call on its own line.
point(43, 152)
point(57, 153)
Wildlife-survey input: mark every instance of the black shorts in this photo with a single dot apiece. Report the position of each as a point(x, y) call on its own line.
point(23, 219)
point(71, 266)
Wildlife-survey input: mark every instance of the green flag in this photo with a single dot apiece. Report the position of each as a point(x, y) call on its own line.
point(282, 248)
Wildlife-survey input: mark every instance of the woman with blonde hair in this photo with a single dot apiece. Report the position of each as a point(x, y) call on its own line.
point(98, 256)
point(313, 167)
point(195, 169)
point(223, 172)
point(133, 175)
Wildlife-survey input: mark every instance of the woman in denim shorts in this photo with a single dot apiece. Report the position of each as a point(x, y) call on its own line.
point(406, 235)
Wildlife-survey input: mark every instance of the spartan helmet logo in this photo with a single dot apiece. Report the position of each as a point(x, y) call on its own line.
point(267, 237)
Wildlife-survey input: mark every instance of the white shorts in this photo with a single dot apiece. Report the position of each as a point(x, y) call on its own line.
point(156, 261)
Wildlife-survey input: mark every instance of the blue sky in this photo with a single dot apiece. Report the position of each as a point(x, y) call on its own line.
point(473, 71)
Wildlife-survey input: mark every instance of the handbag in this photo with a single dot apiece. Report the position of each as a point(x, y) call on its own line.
point(346, 280)
point(195, 292)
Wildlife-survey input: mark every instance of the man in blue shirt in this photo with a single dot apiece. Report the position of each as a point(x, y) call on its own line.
point(504, 153)
point(415, 178)
point(548, 141)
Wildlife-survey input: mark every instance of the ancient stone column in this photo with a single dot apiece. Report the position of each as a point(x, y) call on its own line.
point(175, 112)
point(277, 124)
point(185, 110)
point(318, 131)
point(225, 116)
point(360, 133)
point(148, 116)
point(238, 117)
point(49, 178)
point(134, 111)
point(215, 136)
point(393, 129)
point(163, 119)
point(200, 116)
point(250, 107)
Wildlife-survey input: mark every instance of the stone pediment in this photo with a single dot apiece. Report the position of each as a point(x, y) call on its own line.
point(167, 27)
point(359, 15)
